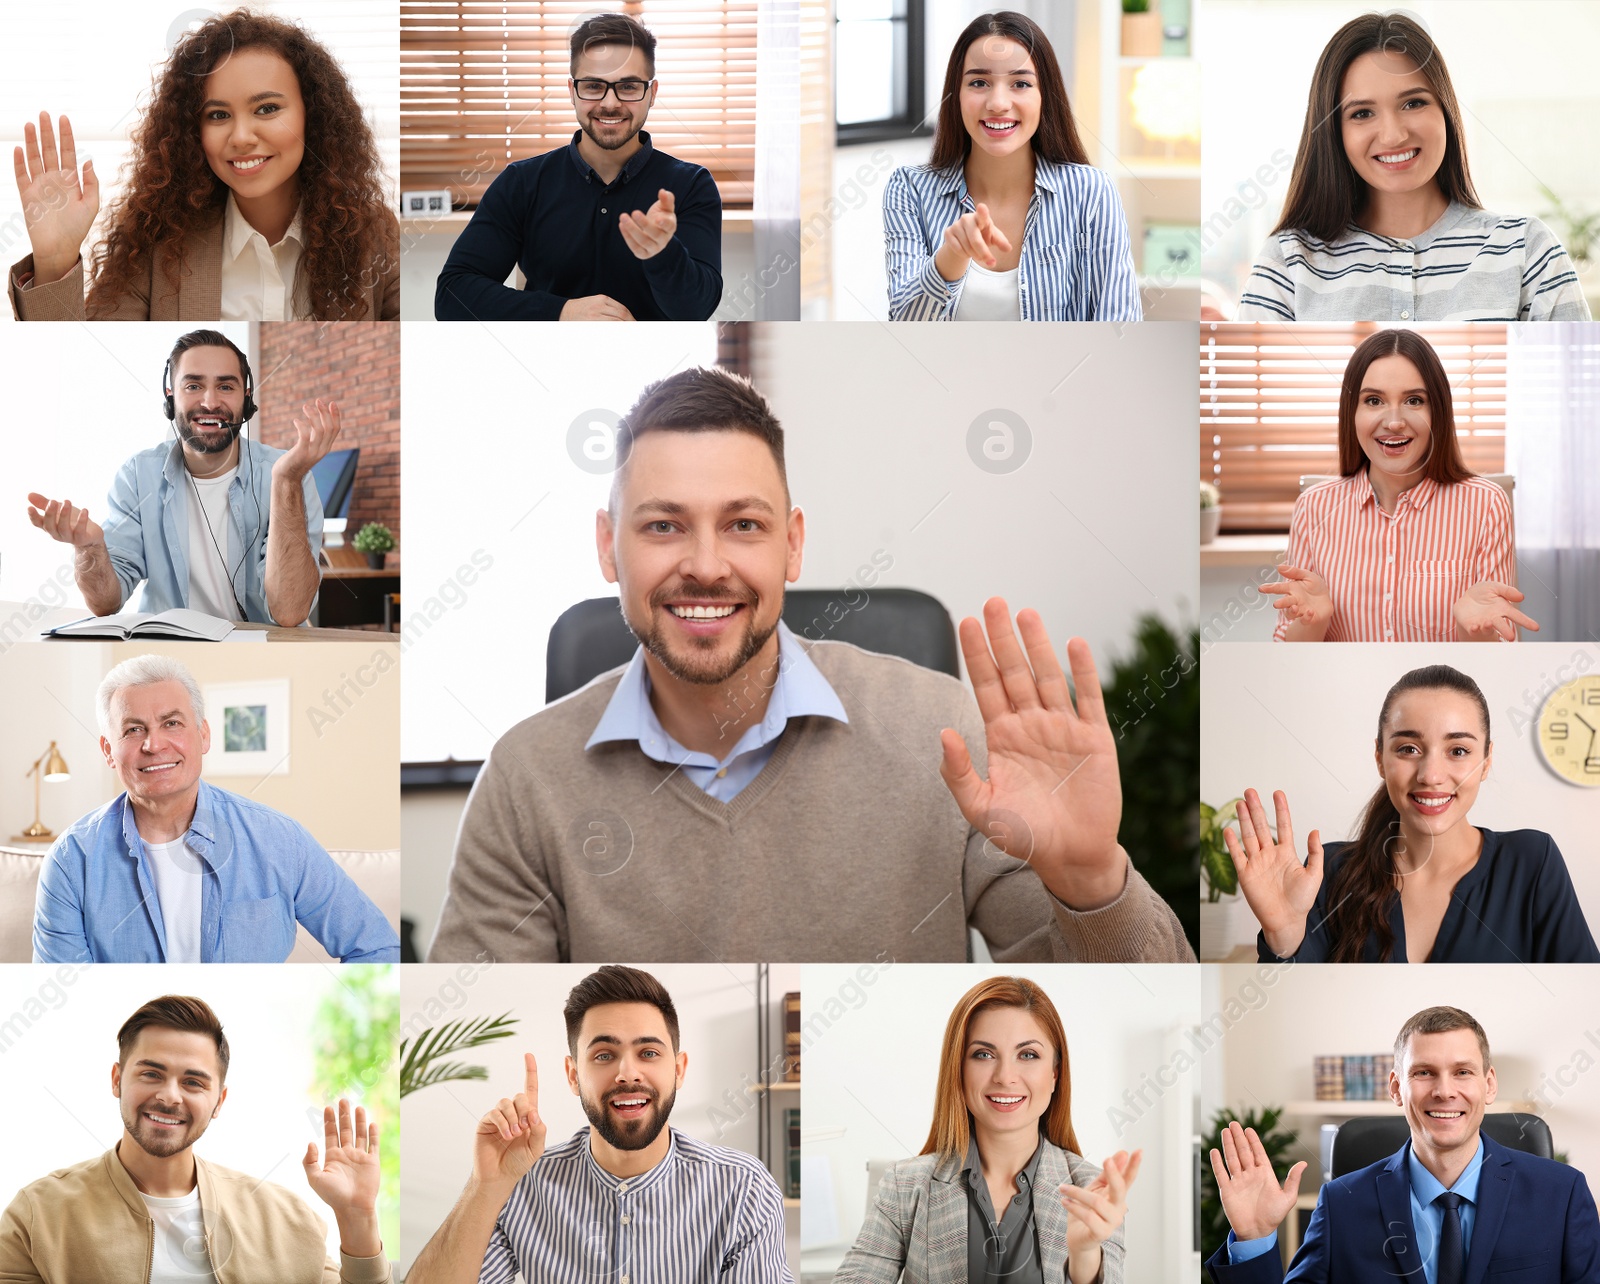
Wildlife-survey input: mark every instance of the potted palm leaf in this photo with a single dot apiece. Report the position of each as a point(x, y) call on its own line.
point(422, 1060)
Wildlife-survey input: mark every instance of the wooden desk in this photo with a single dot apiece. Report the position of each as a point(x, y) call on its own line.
point(354, 593)
point(67, 614)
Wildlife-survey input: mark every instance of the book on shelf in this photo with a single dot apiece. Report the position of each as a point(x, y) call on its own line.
point(1382, 1063)
point(1358, 1078)
point(791, 1037)
point(1330, 1078)
point(791, 1152)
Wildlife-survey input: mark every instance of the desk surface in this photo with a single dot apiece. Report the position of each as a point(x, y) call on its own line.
point(51, 618)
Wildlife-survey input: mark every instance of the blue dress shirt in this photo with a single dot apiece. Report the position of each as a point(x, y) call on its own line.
point(97, 900)
point(1427, 1217)
point(147, 526)
point(799, 690)
point(557, 220)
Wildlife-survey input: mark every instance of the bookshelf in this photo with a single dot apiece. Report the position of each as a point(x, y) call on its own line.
point(778, 1116)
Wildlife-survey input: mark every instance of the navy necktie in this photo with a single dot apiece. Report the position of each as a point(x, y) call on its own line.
point(1452, 1261)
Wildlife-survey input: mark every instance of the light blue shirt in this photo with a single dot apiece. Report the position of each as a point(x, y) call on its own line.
point(797, 691)
point(1426, 1216)
point(262, 872)
point(1076, 263)
point(147, 526)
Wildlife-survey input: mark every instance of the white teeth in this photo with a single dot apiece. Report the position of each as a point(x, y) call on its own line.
point(1005, 1101)
point(630, 1101)
point(249, 164)
point(162, 1118)
point(1445, 1114)
point(160, 766)
point(702, 612)
point(1397, 158)
point(1001, 124)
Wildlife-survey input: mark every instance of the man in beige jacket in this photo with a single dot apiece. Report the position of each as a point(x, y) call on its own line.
point(149, 1211)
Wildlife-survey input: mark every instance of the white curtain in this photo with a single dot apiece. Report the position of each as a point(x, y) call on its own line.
point(1553, 449)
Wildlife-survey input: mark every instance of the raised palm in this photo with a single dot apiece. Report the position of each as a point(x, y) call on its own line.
point(510, 1137)
point(58, 519)
point(1301, 595)
point(58, 210)
point(1251, 1197)
point(1278, 888)
point(1095, 1211)
point(350, 1172)
point(1486, 613)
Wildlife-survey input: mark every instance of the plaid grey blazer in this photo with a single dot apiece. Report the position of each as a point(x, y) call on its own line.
point(917, 1233)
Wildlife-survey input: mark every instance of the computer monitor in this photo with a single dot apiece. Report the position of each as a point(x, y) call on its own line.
point(335, 478)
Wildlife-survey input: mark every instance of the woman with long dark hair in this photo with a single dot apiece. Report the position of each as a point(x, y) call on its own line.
point(1001, 1139)
point(1007, 221)
point(1382, 222)
point(1406, 545)
point(1419, 882)
point(253, 192)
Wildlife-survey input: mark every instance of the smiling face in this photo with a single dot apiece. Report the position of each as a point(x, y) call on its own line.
point(1444, 1087)
point(208, 398)
point(1433, 757)
point(1391, 122)
point(169, 1089)
point(1008, 1070)
point(156, 743)
point(625, 1072)
point(1000, 100)
point(1393, 420)
point(253, 123)
point(701, 544)
point(609, 122)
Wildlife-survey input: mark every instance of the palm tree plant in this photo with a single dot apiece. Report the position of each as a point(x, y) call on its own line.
point(421, 1060)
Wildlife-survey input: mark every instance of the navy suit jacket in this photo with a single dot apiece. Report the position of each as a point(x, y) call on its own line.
point(1536, 1224)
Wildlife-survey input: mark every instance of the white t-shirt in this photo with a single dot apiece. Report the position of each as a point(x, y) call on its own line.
point(178, 873)
point(990, 296)
point(209, 520)
point(180, 1254)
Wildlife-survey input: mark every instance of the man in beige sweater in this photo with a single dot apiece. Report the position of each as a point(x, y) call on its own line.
point(735, 793)
point(149, 1211)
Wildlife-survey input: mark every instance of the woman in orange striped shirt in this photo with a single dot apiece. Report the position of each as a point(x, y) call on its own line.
point(1407, 546)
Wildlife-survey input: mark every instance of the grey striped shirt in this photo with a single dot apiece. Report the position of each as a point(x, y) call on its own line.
point(704, 1213)
point(1469, 266)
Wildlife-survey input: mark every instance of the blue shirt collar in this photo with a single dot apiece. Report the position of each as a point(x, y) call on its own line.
point(200, 837)
point(798, 691)
point(1427, 1188)
point(634, 163)
point(629, 1185)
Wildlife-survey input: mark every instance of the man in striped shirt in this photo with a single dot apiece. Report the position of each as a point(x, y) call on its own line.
point(628, 1199)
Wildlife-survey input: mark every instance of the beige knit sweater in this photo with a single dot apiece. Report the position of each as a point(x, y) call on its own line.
point(847, 847)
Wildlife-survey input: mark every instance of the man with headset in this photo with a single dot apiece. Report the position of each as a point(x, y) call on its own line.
point(207, 523)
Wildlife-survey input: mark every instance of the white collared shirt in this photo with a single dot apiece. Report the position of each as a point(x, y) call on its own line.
point(258, 279)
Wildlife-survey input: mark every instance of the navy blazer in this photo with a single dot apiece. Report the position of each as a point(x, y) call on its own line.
point(1536, 1224)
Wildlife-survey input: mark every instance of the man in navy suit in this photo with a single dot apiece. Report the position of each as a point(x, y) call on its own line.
point(1450, 1207)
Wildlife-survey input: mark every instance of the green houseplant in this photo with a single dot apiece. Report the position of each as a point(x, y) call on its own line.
point(1141, 29)
point(1220, 908)
point(1210, 512)
point(422, 1061)
point(375, 540)
point(1280, 1145)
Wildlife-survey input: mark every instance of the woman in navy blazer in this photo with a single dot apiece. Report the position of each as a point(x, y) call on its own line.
point(1419, 882)
point(1007, 221)
point(1002, 1138)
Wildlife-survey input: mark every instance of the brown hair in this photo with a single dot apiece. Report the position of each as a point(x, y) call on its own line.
point(951, 1130)
point(1325, 193)
point(174, 1012)
point(170, 192)
point(613, 29)
point(1056, 138)
point(1444, 463)
point(1363, 891)
point(1440, 1020)
point(616, 984)
point(701, 399)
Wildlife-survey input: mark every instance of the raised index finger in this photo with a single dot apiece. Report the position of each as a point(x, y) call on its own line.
point(530, 1078)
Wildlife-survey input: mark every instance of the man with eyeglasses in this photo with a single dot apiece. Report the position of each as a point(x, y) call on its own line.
point(606, 228)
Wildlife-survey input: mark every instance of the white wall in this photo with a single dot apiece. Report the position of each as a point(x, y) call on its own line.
point(872, 1037)
point(1303, 719)
point(716, 1006)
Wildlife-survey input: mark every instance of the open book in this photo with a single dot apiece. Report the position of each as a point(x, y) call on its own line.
point(193, 626)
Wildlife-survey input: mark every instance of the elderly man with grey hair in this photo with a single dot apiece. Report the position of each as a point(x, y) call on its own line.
point(175, 870)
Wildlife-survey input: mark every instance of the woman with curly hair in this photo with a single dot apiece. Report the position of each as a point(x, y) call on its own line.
point(254, 192)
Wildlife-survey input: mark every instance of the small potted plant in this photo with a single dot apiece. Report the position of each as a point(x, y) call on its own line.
point(375, 540)
point(1210, 512)
point(1218, 910)
point(1141, 29)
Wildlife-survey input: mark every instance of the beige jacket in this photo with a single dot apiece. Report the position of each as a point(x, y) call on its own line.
point(87, 1225)
point(197, 298)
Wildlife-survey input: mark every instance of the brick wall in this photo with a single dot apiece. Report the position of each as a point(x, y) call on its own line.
point(357, 364)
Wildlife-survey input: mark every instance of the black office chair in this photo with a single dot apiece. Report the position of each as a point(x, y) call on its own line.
point(592, 637)
point(1360, 1142)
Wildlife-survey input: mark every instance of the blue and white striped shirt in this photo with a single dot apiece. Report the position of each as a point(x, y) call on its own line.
point(703, 1214)
point(1076, 262)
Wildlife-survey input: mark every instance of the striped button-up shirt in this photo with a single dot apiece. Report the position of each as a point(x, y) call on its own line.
point(1469, 266)
point(702, 1214)
point(1396, 578)
point(1076, 262)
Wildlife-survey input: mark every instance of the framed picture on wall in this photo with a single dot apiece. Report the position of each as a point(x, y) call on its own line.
point(249, 728)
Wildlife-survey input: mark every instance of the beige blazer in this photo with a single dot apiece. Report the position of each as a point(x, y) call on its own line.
point(917, 1232)
point(197, 298)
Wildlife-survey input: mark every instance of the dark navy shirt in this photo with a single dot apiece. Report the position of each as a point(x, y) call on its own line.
point(1516, 905)
point(557, 220)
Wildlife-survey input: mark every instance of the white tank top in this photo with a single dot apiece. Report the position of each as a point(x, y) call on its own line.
point(989, 296)
point(180, 1253)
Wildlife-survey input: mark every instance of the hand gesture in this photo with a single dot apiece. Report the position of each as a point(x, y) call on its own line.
point(510, 1136)
point(60, 520)
point(647, 234)
point(315, 436)
point(972, 236)
point(1278, 888)
point(348, 1179)
point(1096, 1210)
point(1303, 595)
point(58, 211)
point(1485, 613)
point(1251, 1197)
point(594, 307)
point(1051, 768)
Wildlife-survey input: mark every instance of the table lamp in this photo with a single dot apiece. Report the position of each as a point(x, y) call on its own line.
point(51, 766)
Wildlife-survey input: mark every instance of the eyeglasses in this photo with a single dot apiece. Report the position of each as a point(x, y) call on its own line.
point(592, 89)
